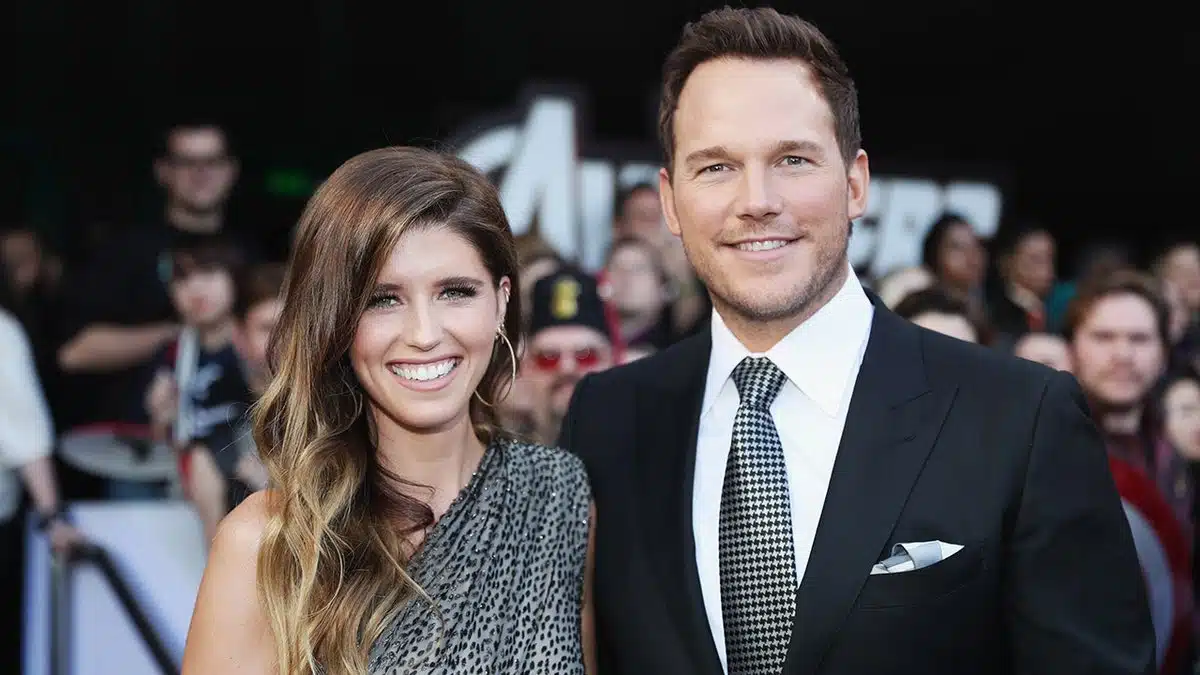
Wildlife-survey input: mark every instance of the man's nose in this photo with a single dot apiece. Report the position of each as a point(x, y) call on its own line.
point(1123, 350)
point(759, 198)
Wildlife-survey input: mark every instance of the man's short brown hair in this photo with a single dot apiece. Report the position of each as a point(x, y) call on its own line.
point(762, 34)
point(257, 285)
point(1121, 282)
point(192, 253)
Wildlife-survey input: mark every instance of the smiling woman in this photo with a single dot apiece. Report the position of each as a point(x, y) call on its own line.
point(379, 435)
point(431, 327)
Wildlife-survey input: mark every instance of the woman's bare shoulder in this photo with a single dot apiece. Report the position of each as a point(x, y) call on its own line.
point(229, 631)
point(233, 556)
point(241, 531)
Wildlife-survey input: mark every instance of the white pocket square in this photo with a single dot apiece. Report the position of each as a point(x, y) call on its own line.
point(914, 556)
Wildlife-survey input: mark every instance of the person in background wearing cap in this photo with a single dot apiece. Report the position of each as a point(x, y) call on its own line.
point(569, 337)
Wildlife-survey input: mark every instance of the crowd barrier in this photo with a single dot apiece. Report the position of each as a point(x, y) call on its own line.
point(123, 603)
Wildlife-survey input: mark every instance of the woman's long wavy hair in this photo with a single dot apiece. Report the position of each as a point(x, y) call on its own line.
point(331, 564)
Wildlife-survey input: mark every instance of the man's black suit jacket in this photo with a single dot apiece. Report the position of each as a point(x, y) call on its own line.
point(944, 440)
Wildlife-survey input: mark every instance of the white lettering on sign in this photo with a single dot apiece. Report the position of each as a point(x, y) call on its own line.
point(901, 210)
point(544, 180)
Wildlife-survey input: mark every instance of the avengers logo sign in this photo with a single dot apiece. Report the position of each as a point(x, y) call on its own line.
point(556, 181)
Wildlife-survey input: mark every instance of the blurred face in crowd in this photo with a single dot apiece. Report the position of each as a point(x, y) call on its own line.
point(1117, 351)
point(1032, 263)
point(636, 281)
point(961, 258)
point(427, 336)
point(954, 325)
point(759, 192)
point(202, 295)
point(1181, 267)
point(642, 215)
point(197, 172)
point(22, 255)
point(559, 356)
point(1046, 349)
point(1181, 314)
point(253, 334)
point(1181, 405)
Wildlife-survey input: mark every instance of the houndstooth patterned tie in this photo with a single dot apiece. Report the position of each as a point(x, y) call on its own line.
point(757, 559)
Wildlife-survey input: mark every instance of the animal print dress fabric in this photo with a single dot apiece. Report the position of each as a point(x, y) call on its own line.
point(504, 569)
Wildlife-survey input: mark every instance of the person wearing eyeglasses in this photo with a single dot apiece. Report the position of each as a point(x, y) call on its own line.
point(120, 314)
point(569, 337)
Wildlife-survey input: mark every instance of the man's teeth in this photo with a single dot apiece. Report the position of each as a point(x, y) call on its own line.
point(762, 245)
point(426, 372)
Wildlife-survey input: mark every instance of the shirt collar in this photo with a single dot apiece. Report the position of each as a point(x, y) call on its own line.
point(818, 356)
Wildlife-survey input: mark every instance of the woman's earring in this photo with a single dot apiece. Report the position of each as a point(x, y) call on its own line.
point(512, 353)
point(500, 335)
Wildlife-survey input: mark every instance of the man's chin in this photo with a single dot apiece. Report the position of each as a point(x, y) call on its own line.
point(204, 207)
point(780, 297)
point(1116, 403)
point(766, 306)
point(559, 407)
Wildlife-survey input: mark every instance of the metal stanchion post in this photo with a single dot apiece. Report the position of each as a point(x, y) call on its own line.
point(60, 614)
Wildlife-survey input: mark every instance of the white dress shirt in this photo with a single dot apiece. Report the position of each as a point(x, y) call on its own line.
point(820, 359)
point(26, 432)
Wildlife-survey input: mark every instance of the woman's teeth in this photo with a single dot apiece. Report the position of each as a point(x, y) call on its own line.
point(425, 372)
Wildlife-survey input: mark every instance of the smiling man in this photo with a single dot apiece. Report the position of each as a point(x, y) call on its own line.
point(815, 485)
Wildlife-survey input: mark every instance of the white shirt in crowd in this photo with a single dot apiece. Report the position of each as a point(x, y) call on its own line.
point(26, 431)
point(821, 359)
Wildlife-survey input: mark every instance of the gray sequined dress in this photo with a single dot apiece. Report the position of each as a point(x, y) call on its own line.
point(504, 567)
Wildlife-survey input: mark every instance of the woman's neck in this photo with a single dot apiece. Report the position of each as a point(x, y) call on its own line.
point(443, 460)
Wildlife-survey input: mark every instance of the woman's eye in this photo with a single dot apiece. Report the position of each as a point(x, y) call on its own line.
point(382, 301)
point(459, 293)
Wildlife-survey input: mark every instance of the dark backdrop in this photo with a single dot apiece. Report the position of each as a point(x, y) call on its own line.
point(1085, 111)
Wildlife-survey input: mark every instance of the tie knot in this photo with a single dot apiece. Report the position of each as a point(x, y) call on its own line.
point(758, 382)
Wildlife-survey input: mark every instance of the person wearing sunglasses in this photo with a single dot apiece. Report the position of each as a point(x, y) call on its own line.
point(569, 337)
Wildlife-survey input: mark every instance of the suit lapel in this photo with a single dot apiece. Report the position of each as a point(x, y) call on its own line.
point(668, 421)
point(890, 428)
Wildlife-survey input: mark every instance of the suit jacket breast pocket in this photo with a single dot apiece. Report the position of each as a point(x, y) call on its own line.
point(904, 589)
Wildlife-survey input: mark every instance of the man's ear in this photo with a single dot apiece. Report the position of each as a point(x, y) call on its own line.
point(666, 196)
point(161, 167)
point(859, 182)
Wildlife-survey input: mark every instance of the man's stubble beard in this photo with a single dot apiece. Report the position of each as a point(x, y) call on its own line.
point(194, 210)
point(821, 287)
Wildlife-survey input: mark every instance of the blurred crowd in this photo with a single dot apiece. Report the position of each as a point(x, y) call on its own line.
point(128, 375)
